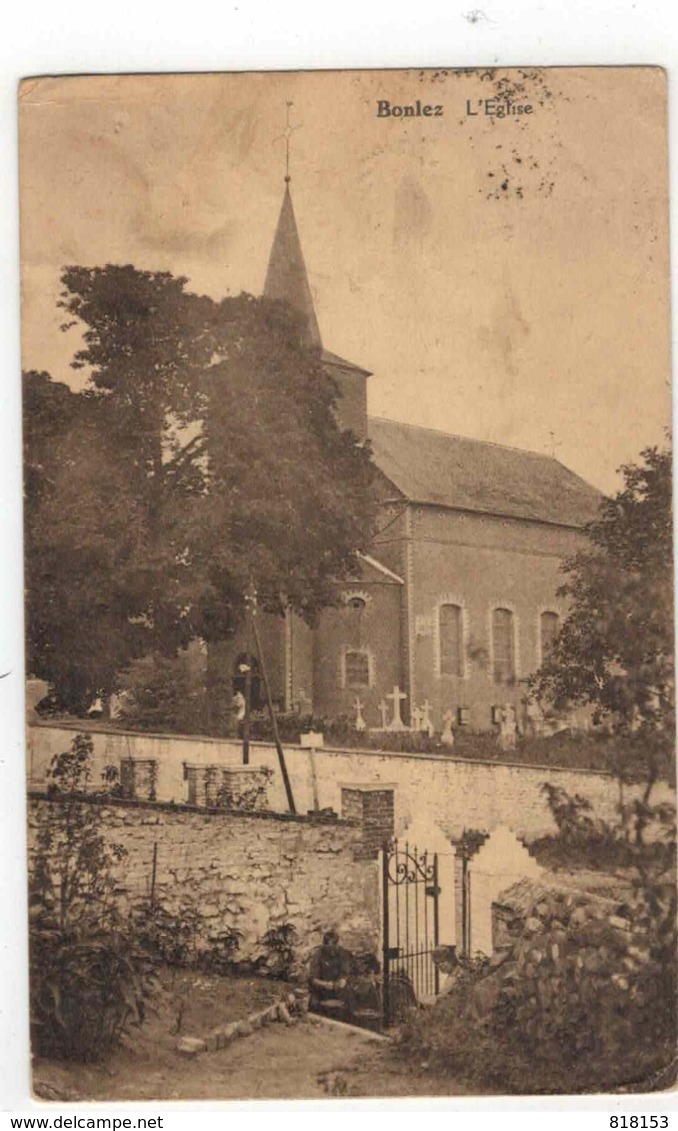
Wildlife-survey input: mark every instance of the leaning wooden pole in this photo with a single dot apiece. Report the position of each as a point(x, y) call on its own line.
point(274, 723)
point(248, 690)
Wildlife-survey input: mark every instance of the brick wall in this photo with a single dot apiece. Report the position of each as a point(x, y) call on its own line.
point(374, 810)
point(246, 871)
point(227, 787)
point(377, 630)
point(481, 562)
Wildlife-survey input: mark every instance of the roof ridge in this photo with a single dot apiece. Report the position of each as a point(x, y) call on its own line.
point(471, 439)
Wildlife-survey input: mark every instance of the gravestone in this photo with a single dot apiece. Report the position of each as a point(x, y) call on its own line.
point(501, 862)
point(398, 697)
point(447, 737)
point(358, 707)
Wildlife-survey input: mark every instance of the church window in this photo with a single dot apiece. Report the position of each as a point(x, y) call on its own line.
point(549, 625)
point(503, 646)
point(356, 599)
point(356, 669)
point(451, 640)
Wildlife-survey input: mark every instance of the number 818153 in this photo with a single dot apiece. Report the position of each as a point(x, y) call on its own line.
point(623, 1122)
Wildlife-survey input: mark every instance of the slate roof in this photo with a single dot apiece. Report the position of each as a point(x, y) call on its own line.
point(436, 468)
point(333, 359)
point(286, 276)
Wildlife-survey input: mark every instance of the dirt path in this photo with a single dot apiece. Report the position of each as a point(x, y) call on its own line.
point(307, 1060)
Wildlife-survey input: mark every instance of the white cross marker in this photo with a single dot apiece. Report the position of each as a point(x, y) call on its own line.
point(359, 720)
point(398, 697)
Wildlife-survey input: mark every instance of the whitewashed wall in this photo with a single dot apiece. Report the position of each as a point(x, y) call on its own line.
point(452, 793)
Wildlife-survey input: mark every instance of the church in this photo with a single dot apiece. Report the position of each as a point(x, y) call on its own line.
point(457, 599)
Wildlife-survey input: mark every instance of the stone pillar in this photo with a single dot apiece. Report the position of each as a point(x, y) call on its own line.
point(373, 807)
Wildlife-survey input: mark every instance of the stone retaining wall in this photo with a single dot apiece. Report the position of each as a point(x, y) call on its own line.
point(248, 871)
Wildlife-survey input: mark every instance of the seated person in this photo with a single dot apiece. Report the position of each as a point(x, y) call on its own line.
point(328, 972)
point(363, 993)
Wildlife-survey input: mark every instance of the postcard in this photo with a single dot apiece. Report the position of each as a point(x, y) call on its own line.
point(349, 583)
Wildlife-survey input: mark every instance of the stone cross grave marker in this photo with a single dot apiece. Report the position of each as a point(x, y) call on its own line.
point(358, 708)
point(398, 697)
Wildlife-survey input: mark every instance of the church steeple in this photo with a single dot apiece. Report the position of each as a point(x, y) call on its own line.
point(286, 277)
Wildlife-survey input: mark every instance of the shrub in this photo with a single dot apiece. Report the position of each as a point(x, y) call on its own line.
point(88, 987)
point(181, 938)
point(583, 997)
point(164, 694)
point(89, 979)
point(279, 956)
point(584, 839)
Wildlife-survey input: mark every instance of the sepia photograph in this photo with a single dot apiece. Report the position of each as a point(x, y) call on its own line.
point(349, 584)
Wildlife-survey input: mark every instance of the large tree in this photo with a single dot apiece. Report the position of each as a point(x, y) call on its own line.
point(203, 458)
point(81, 531)
point(615, 651)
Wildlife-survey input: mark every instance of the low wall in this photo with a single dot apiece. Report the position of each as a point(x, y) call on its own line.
point(250, 871)
point(451, 792)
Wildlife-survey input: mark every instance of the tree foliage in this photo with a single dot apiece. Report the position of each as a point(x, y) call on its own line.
point(83, 527)
point(89, 979)
point(203, 457)
point(615, 650)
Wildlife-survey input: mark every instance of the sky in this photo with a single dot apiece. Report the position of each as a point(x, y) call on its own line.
point(502, 278)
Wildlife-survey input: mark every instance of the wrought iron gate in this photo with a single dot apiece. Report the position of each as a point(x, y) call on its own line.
point(410, 894)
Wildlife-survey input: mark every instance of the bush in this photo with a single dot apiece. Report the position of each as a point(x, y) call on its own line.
point(164, 694)
point(181, 938)
point(583, 995)
point(450, 1039)
point(586, 840)
point(89, 987)
point(279, 957)
point(89, 979)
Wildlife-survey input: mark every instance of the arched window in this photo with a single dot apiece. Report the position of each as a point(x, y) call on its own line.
point(451, 635)
point(503, 646)
point(549, 627)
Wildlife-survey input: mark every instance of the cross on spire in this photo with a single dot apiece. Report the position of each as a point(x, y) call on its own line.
point(286, 136)
point(286, 277)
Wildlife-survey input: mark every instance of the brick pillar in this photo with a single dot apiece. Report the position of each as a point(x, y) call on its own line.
point(373, 808)
point(138, 777)
point(228, 787)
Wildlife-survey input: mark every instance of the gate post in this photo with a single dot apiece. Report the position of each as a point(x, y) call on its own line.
point(385, 986)
point(436, 923)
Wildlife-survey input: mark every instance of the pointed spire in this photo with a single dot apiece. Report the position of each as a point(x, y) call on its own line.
point(286, 277)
